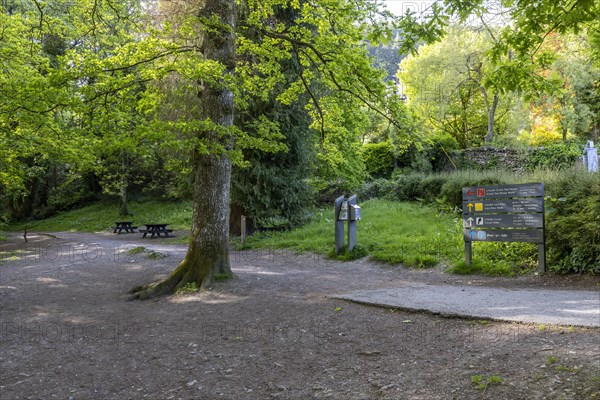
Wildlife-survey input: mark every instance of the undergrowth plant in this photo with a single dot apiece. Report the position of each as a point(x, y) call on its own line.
point(572, 216)
point(481, 382)
point(188, 288)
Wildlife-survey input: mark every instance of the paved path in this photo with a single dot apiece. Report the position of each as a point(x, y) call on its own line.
point(560, 307)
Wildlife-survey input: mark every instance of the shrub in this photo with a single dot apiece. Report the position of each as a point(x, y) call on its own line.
point(573, 228)
point(572, 214)
point(378, 159)
point(431, 186)
point(378, 188)
point(407, 188)
point(556, 155)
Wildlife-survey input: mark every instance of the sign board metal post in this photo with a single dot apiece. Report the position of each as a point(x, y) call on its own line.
point(542, 245)
point(339, 224)
point(352, 225)
point(504, 213)
point(468, 252)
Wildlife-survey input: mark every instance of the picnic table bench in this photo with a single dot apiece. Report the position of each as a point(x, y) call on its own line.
point(156, 229)
point(124, 226)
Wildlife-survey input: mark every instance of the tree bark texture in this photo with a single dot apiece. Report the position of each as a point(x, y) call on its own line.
point(208, 252)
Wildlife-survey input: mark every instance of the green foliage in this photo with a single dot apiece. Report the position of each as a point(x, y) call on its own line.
point(542, 52)
point(378, 159)
point(459, 103)
point(572, 222)
point(122, 100)
point(387, 56)
point(222, 277)
point(272, 189)
point(516, 45)
point(499, 259)
point(577, 104)
point(136, 250)
point(155, 255)
point(444, 189)
point(481, 382)
point(339, 165)
point(550, 360)
point(556, 155)
point(357, 253)
point(573, 235)
point(188, 288)
point(378, 188)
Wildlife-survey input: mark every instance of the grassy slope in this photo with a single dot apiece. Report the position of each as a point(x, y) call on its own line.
point(392, 232)
point(102, 216)
point(411, 234)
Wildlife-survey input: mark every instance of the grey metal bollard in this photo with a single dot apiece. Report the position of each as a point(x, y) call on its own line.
point(339, 224)
point(346, 211)
point(352, 223)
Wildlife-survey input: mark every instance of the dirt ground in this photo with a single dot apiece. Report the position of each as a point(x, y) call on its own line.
point(69, 332)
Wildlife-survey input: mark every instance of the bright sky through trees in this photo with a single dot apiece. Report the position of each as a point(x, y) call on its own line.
point(399, 7)
point(422, 9)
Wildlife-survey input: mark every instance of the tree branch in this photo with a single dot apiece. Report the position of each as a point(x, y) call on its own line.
point(312, 96)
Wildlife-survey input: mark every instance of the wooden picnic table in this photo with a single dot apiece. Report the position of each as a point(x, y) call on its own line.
point(124, 226)
point(156, 229)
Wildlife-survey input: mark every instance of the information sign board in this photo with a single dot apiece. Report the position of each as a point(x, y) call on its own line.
point(503, 221)
point(504, 235)
point(504, 213)
point(531, 205)
point(503, 191)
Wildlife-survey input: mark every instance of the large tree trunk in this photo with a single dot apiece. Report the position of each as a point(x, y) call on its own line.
point(208, 252)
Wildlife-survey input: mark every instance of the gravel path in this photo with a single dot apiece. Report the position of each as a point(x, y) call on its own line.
point(275, 331)
point(557, 307)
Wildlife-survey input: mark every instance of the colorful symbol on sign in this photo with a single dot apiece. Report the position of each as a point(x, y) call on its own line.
point(473, 234)
point(478, 206)
point(470, 207)
point(480, 192)
point(470, 221)
point(481, 235)
point(471, 192)
point(479, 221)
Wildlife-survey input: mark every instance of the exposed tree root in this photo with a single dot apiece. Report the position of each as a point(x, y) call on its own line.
point(181, 276)
point(198, 273)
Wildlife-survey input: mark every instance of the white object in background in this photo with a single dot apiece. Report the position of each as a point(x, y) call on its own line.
point(590, 157)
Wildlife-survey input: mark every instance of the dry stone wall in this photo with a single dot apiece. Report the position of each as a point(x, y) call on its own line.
point(490, 158)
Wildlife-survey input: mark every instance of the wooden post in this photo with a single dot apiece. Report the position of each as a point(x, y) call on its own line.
point(541, 258)
point(243, 229)
point(542, 246)
point(468, 253)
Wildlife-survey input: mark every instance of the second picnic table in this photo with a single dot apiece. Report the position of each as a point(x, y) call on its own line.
point(124, 226)
point(156, 229)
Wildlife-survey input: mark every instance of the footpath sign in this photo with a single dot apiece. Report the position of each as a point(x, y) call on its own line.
point(504, 213)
